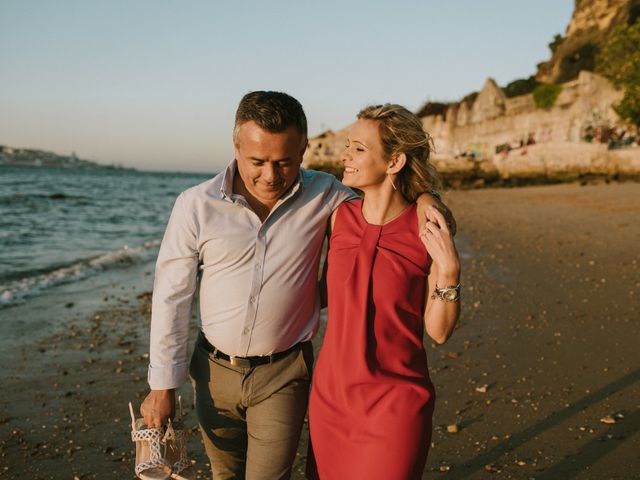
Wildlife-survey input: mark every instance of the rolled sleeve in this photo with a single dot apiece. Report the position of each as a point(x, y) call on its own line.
point(173, 290)
point(340, 193)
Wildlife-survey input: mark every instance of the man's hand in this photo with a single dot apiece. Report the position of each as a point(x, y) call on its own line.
point(158, 407)
point(427, 200)
point(439, 243)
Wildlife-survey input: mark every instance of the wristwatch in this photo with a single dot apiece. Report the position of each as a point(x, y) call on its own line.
point(448, 294)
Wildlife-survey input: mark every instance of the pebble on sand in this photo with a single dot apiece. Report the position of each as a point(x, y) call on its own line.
point(609, 420)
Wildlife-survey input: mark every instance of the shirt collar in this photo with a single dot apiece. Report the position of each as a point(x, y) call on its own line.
point(226, 189)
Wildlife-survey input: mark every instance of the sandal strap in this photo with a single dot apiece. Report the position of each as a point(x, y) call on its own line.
point(148, 434)
point(180, 406)
point(181, 465)
point(154, 437)
point(133, 417)
point(179, 436)
point(170, 432)
point(151, 463)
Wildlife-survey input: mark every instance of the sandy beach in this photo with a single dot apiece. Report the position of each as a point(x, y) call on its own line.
point(541, 379)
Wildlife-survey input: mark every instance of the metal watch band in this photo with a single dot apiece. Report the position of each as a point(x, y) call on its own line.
point(441, 293)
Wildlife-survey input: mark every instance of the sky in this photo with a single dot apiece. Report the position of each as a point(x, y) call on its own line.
point(154, 84)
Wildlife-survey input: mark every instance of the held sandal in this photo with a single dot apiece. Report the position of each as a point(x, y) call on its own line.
point(176, 439)
point(150, 462)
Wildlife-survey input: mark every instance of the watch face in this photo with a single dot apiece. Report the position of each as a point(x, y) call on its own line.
point(450, 295)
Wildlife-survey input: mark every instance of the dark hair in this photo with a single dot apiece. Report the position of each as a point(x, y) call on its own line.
point(272, 111)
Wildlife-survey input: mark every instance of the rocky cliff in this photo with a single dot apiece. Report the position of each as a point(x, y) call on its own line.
point(500, 139)
point(591, 23)
point(491, 137)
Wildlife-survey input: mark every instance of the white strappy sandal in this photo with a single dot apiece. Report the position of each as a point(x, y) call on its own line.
point(176, 439)
point(150, 461)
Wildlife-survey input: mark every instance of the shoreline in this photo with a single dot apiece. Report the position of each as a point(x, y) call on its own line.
point(545, 349)
point(464, 181)
point(33, 318)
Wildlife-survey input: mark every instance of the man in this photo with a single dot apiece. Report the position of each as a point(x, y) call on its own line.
point(254, 234)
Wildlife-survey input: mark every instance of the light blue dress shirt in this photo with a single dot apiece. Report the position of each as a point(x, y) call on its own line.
point(258, 287)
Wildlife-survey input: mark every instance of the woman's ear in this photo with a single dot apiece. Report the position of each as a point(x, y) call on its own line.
point(396, 164)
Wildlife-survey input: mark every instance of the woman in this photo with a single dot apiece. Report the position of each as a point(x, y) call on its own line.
point(372, 399)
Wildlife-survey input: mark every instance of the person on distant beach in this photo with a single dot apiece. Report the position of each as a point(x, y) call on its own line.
point(372, 399)
point(253, 234)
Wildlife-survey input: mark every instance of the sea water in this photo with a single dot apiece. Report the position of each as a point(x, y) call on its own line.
point(63, 225)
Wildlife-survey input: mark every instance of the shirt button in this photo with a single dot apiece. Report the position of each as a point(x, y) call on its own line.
point(257, 266)
point(246, 330)
point(252, 299)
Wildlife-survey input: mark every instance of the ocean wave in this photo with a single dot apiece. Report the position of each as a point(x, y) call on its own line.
point(22, 197)
point(17, 291)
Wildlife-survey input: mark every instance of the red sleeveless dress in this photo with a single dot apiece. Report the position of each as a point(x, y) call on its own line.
point(372, 399)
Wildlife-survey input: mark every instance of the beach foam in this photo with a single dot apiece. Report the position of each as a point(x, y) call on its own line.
point(18, 290)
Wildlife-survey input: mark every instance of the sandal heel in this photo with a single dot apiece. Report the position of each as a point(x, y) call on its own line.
point(176, 437)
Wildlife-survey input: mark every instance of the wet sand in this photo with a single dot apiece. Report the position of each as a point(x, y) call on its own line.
point(540, 380)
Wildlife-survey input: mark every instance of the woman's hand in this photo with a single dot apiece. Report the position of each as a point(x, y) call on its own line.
point(438, 240)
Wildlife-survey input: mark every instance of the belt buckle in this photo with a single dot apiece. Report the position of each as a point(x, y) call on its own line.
point(239, 362)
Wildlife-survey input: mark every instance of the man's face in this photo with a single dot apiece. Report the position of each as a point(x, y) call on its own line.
point(268, 163)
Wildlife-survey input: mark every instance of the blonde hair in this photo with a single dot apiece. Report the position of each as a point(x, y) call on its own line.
point(401, 132)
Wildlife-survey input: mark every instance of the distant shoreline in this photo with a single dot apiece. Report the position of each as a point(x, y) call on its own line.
point(100, 167)
point(89, 166)
point(31, 157)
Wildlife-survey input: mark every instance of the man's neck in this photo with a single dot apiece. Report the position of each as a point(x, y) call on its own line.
point(260, 208)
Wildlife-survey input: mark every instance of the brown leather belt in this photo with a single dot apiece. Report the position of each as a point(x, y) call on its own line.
point(246, 362)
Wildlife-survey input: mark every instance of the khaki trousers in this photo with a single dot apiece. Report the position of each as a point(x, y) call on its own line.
point(251, 418)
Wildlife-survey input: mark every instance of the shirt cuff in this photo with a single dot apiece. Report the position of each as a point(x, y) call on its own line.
point(167, 377)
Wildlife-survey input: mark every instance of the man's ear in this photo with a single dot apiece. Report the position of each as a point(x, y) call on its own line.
point(397, 163)
point(305, 144)
point(236, 147)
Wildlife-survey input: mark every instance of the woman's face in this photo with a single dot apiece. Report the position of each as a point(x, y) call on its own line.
point(364, 161)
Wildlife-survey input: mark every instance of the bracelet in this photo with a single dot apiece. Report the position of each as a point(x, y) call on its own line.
point(447, 294)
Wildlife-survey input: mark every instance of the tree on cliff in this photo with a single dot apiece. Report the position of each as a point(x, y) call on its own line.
point(619, 61)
